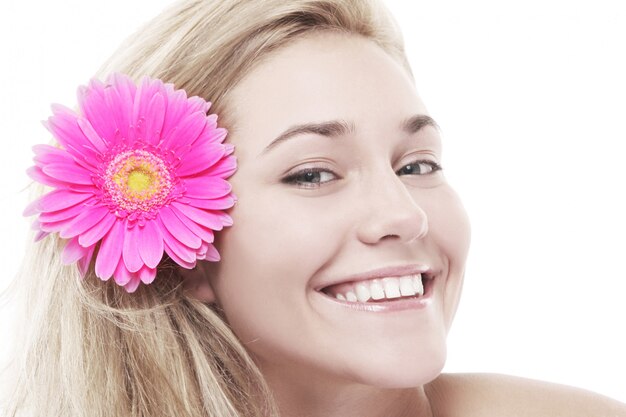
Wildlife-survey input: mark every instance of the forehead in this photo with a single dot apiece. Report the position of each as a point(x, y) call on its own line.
point(324, 76)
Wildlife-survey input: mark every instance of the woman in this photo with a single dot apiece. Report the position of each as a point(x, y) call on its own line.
point(342, 271)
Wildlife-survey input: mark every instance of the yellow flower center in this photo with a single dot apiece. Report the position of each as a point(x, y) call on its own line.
point(138, 180)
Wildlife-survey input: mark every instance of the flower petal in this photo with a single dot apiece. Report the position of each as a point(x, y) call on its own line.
point(143, 96)
point(67, 213)
point(178, 229)
point(174, 256)
point(109, 254)
point(64, 126)
point(94, 107)
point(182, 252)
point(133, 284)
point(212, 254)
point(46, 154)
point(202, 157)
point(154, 119)
point(130, 252)
point(84, 262)
point(94, 138)
point(73, 252)
point(119, 97)
point(224, 168)
point(221, 203)
point(97, 232)
point(175, 111)
point(74, 174)
point(204, 218)
point(52, 227)
point(122, 276)
point(147, 275)
point(56, 200)
point(186, 132)
point(151, 244)
point(38, 175)
point(40, 235)
point(206, 187)
point(84, 221)
point(202, 232)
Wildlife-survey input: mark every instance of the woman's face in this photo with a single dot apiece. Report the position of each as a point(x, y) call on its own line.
point(353, 206)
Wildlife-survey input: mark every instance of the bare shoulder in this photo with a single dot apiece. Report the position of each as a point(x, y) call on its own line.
point(487, 395)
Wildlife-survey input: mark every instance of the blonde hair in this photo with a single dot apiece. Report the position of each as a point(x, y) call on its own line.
point(92, 350)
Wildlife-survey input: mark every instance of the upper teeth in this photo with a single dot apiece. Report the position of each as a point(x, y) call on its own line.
point(388, 288)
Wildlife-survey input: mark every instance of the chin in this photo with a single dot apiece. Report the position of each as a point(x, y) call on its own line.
point(406, 370)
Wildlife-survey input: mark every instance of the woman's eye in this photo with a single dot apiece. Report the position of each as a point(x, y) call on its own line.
point(310, 178)
point(419, 168)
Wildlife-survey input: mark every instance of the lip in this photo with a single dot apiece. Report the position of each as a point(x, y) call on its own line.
point(419, 303)
point(389, 271)
point(389, 306)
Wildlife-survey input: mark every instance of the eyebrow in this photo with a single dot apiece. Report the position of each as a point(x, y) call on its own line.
point(335, 128)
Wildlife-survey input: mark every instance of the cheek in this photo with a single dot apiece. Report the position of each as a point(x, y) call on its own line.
point(449, 229)
point(277, 242)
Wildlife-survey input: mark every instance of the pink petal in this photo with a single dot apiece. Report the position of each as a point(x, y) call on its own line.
point(94, 106)
point(83, 263)
point(143, 95)
point(204, 233)
point(186, 132)
point(182, 252)
point(196, 103)
point(84, 221)
point(201, 158)
point(154, 119)
point(46, 154)
point(122, 276)
point(56, 200)
point(172, 254)
point(40, 235)
point(223, 169)
point(177, 229)
point(69, 173)
point(206, 187)
point(212, 254)
point(225, 218)
point(218, 135)
point(38, 175)
point(68, 213)
point(94, 138)
point(73, 252)
point(64, 126)
point(119, 94)
point(205, 218)
point(52, 227)
point(97, 232)
point(130, 252)
point(110, 251)
point(221, 203)
point(151, 244)
point(133, 284)
point(43, 149)
point(147, 275)
point(175, 111)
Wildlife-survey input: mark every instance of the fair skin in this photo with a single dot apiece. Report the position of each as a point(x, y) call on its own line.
point(320, 213)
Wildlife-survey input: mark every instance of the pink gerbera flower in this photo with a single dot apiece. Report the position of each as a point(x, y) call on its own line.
point(141, 170)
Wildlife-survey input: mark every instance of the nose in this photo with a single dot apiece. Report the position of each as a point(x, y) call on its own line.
point(390, 212)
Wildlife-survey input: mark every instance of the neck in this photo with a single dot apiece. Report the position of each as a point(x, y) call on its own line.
point(316, 396)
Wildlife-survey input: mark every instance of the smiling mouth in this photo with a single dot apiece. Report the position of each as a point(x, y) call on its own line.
point(381, 290)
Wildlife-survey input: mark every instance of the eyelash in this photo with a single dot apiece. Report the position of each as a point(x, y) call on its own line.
point(295, 177)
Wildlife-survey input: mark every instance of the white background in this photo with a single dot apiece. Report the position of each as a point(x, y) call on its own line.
point(531, 97)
